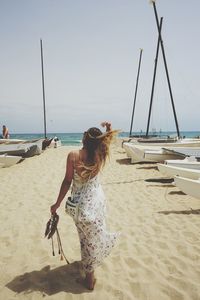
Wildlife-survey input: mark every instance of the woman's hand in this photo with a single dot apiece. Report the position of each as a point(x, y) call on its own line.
point(107, 125)
point(53, 208)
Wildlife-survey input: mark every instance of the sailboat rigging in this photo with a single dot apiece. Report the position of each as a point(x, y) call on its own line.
point(159, 43)
point(166, 69)
point(136, 87)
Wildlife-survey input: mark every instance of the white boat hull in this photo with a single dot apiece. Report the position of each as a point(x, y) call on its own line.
point(187, 142)
point(148, 153)
point(188, 186)
point(22, 149)
point(176, 171)
point(159, 156)
point(127, 148)
point(188, 163)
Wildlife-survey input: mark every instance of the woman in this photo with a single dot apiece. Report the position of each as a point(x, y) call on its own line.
point(82, 169)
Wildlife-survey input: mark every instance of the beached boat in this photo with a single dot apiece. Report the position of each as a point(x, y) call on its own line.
point(183, 143)
point(55, 143)
point(189, 162)
point(22, 149)
point(148, 153)
point(188, 186)
point(9, 160)
point(18, 149)
point(159, 155)
point(159, 152)
point(177, 171)
point(177, 152)
point(185, 151)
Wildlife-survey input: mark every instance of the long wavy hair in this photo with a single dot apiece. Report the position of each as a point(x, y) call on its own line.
point(97, 145)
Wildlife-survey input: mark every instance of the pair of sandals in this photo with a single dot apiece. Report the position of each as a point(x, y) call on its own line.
point(51, 226)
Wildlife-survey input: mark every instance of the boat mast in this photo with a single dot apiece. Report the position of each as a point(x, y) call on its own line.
point(154, 77)
point(136, 87)
point(43, 90)
point(166, 69)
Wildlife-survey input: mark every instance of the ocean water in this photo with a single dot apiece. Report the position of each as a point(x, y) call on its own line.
point(74, 139)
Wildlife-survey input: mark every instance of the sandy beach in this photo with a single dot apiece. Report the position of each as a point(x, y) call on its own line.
point(157, 256)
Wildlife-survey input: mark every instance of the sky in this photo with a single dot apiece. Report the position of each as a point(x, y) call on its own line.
point(91, 52)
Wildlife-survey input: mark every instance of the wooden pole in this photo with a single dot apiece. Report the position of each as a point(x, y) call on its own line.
point(136, 87)
point(43, 90)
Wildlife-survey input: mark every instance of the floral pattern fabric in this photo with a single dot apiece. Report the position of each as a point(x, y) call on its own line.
point(95, 241)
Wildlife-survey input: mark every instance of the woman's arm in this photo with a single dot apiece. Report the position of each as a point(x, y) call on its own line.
point(65, 183)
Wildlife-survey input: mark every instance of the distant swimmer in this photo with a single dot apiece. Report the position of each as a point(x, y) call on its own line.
point(5, 133)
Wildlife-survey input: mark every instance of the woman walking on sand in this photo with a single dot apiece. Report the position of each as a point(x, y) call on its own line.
point(82, 171)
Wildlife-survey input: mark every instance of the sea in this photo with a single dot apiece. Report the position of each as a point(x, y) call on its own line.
point(74, 139)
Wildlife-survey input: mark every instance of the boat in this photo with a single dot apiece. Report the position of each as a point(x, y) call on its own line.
point(168, 143)
point(186, 150)
point(55, 143)
point(148, 153)
point(159, 155)
point(161, 152)
point(189, 162)
point(23, 149)
point(177, 171)
point(17, 150)
point(9, 160)
point(188, 186)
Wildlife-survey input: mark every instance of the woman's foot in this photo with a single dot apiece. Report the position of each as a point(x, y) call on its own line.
point(89, 281)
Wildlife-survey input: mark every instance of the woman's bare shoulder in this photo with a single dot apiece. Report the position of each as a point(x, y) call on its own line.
point(74, 154)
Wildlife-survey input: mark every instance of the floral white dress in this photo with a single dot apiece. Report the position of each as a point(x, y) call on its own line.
point(96, 243)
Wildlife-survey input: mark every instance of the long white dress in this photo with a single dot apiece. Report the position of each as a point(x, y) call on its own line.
point(96, 243)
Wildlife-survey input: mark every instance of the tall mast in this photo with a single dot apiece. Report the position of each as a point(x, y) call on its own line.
point(136, 87)
point(154, 77)
point(166, 69)
point(43, 90)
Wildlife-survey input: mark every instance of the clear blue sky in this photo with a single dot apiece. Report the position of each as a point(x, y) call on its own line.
point(91, 52)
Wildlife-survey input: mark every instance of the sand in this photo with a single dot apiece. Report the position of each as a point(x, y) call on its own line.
point(157, 256)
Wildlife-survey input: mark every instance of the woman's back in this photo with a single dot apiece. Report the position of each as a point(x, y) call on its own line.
point(80, 163)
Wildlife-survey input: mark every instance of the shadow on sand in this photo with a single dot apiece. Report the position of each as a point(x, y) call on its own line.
point(124, 161)
point(148, 168)
point(160, 180)
point(184, 212)
point(49, 282)
point(161, 185)
point(176, 193)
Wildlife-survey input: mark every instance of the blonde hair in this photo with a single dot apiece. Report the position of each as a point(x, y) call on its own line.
point(97, 145)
